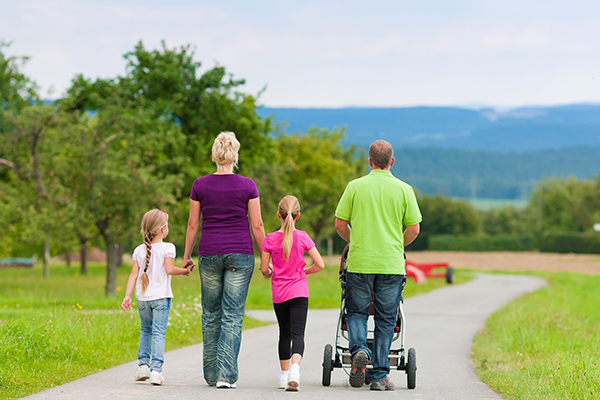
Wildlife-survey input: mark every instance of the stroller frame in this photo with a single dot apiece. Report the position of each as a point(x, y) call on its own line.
point(399, 358)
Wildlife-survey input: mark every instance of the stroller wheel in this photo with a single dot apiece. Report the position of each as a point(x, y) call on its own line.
point(411, 368)
point(327, 365)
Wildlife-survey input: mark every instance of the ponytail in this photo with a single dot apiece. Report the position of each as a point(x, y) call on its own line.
point(289, 210)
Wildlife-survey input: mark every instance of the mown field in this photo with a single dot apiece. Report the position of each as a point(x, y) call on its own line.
point(57, 330)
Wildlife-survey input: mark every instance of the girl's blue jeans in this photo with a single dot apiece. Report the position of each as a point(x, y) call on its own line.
point(386, 292)
point(154, 316)
point(225, 279)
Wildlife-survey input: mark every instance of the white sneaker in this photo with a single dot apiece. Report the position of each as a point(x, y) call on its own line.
point(157, 378)
point(225, 385)
point(142, 373)
point(293, 383)
point(283, 379)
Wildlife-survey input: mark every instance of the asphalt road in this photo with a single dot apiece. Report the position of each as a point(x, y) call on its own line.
point(440, 325)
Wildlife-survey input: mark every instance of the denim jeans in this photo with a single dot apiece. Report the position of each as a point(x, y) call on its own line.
point(154, 316)
point(225, 280)
point(387, 290)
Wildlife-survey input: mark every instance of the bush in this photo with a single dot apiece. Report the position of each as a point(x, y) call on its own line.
point(481, 243)
point(571, 242)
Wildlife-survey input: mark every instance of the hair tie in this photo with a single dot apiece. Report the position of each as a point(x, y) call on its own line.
point(289, 212)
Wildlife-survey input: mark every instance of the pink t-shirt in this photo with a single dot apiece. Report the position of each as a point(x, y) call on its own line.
point(288, 280)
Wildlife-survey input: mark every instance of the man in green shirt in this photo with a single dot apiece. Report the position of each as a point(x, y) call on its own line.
point(371, 216)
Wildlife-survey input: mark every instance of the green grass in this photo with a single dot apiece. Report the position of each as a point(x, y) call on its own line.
point(545, 345)
point(57, 330)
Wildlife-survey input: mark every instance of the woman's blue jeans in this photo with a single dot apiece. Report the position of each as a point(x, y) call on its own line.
point(387, 291)
point(225, 280)
point(154, 316)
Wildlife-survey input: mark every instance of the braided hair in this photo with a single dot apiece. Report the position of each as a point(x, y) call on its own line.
point(152, 222)
point(288, 210)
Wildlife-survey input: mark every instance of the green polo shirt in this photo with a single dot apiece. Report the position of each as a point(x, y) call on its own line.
point(377, 205)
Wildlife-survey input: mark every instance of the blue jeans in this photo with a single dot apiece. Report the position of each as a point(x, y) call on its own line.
point(154, 316)
point(225, 280)
point(360, 289)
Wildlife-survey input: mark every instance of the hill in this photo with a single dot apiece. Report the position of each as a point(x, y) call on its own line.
point(521, 129)
point(469, 153)
point(489, 174)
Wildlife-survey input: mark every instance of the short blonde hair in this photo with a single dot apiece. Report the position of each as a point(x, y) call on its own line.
point(225, 149)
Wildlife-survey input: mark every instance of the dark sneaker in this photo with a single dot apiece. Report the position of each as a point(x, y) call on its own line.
point(359, 369)
point(385, 384)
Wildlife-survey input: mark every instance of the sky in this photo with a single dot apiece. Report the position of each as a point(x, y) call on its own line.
point(379, 53)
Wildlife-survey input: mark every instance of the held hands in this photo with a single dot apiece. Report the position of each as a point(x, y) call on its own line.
point(269, 271)
point(189, 265)
point(126, 304)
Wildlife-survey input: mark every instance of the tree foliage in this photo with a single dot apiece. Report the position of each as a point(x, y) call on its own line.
point(315, 168)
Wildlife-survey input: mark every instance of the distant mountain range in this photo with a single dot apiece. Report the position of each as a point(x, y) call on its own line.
point(469, 153)
point(521, 129)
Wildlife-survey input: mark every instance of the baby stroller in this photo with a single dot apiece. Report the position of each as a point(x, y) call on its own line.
point(398, 357)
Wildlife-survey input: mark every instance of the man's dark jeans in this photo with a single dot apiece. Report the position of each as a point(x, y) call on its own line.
point(360, 289)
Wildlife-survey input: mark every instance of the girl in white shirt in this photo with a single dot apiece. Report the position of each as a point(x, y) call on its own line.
point(153, 292)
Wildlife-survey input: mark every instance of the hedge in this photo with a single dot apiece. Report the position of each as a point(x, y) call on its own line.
point(481, 243)
point(571, 242)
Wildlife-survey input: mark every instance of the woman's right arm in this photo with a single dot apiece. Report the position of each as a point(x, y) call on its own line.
point(191, 234)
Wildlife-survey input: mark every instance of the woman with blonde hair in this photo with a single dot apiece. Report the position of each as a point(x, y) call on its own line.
point(230, 209)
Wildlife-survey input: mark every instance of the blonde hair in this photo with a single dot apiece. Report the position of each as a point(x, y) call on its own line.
point(225, 149)
point(152, 222)
point(289, 210)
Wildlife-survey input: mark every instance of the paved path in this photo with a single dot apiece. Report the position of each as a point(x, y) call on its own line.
point(440, 326)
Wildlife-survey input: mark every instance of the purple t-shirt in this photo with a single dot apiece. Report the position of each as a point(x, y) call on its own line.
point(289, 279)
point(224, 208)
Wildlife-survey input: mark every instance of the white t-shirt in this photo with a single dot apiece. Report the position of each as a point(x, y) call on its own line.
point(160, 282)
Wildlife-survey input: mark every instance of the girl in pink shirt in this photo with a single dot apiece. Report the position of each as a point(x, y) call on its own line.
point(285, 248)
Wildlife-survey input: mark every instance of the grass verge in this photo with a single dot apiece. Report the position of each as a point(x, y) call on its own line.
point(544, 345)
point(56, 330)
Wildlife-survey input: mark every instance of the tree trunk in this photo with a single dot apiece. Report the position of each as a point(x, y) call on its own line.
point(111, 267)
point(68, 259)
point(46, 258)
point(83, 254)
point(119, 254)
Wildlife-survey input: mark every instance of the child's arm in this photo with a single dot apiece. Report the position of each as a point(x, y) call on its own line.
point(317, 260)
point(135, 270)
point(265, 261)
point(173, 270)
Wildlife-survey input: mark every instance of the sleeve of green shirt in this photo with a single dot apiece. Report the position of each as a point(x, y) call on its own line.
point(413, 214)
point(344, 207)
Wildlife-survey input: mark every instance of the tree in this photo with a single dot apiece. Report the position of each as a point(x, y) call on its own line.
point(120, 163)
point(504, 221)
point(566, 204)
point(314, 167)
point(28, 152)
point(443, 215)
point(165, 85)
